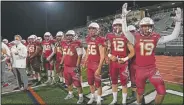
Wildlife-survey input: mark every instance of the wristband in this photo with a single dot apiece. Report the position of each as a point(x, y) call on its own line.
point(125, 59)
point(109, 55)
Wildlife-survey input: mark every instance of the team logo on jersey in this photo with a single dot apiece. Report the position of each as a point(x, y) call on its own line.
point(126, 72)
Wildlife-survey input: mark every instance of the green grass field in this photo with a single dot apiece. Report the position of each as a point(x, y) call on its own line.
point(54, 95)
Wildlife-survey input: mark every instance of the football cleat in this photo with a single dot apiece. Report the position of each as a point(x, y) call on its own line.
point(98, 103)
point(92, 99)
point(113, 102)
point(69, 96)
point(80, 101)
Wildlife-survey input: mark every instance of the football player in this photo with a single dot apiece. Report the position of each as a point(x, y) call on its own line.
point(59, 53)
point(131, 68)
point(118, 46)
point(72, 54)
point(47, 54)
point(94, 60)
point(145, 42)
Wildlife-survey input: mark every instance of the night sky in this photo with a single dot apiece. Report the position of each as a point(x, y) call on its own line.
point(26, 18)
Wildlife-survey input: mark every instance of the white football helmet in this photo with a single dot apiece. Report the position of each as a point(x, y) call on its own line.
point(146, 21)
point(94, 25)
point(131, 28)
point(116, 29)
point(23, 41)
point(117, 21)
point(5, 41)
point(70, 34)
point(47, 35)
point(94, 32)
point(39, 39)
point(60, 33)
point(32, 38)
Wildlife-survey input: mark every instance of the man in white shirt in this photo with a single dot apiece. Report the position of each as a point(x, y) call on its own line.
point(5, 54)
point(19, 54)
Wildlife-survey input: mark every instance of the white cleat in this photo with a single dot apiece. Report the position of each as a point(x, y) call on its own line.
point(113, 102)
point(98, 103)
point(92, 99)
point(47, 82)
point(69, 96)
point(53, 82)
point(80, 101)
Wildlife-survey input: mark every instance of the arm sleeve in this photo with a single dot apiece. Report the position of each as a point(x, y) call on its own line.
point(173, 36)
point(79, 51)
point(126, 32)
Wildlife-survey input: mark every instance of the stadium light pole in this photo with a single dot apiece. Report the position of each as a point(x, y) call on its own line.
point(46, 20)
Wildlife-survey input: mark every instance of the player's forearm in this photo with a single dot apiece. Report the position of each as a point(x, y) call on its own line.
point(126, 32)
point(52, 54)
point(79, 60)
point(62, 59)
point(131, 50)
point(131, 54)
point(86, 56)
point(102, 57)
point(173, 36)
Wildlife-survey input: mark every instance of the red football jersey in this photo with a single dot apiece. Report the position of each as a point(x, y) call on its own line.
point(69, 50)
point(118, 44)
point(93, 48)
point(47, 48)
point(58, 50)
point(145, 49)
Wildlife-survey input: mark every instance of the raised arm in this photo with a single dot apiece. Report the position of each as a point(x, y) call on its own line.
point(125, 30)
point(176, 30)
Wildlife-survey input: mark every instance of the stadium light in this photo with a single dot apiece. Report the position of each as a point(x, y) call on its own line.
point(158, 7)
point(173, 3)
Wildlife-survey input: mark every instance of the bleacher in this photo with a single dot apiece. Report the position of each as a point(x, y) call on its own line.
point(163, 25)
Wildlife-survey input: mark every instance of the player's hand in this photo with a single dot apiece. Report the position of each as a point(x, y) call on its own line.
point(97, 72)
point(177, 18)
point(84, 65)
point(113, 58)
point(48, 58)
point(61, 67)
point(121, 61)
point(124, 10)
